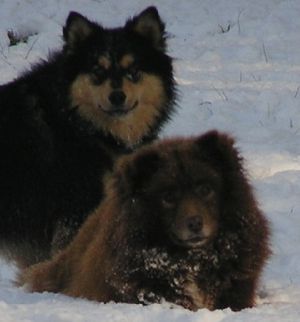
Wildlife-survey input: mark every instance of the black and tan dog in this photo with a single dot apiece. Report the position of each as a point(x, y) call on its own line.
point(64, 122)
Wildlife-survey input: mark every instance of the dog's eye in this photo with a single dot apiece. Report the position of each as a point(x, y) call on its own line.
point(99, 71)
point(168, 200)
point(133, 74)
point(204, 190)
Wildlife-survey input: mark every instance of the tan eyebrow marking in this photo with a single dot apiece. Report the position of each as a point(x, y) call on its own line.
point(104, 62)
point(126, 61)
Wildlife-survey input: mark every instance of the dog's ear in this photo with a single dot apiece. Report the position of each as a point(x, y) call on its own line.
point(77, 29)
point(149, 25)
point(137, 170)
point(218, 149)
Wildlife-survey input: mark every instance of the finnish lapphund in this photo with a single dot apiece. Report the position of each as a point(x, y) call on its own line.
point(64, 122)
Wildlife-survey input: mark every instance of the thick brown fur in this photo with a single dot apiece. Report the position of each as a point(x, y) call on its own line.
point(65, 122)
point(179, 222)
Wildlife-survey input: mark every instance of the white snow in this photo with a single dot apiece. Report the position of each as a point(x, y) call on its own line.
point(238, 69)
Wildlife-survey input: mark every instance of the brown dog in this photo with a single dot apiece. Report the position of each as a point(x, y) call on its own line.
point(179, 222)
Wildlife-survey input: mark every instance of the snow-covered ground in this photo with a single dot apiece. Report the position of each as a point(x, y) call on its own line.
point(238, 69)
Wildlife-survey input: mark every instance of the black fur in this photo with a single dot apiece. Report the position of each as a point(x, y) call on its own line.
point(52, 160)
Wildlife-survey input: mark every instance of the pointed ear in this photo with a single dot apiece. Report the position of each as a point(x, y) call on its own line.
point(77, 29)
point(149, 25)
point(138, 169)
point(218, 149)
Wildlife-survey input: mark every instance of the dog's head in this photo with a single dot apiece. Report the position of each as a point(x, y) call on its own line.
point(177, 187)
point(123, 83)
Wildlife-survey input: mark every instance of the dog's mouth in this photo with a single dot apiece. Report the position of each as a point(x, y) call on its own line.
point(193, 242)
point(196, 242)
point(118, 111)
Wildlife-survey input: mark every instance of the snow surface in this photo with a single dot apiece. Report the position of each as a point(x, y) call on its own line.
point(238, 69)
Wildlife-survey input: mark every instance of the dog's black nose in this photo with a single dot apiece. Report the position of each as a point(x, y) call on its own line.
point(117, 98)
point(194, 224)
